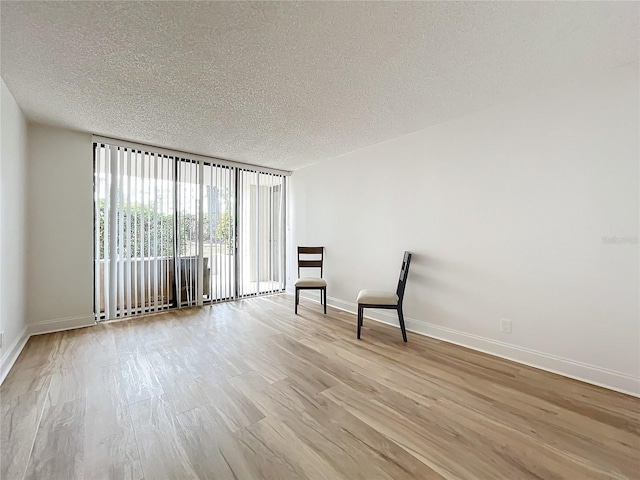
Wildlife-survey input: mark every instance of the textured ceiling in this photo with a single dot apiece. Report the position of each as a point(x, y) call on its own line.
point(289, 84)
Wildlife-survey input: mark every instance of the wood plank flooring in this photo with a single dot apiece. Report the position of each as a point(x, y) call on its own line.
point(248, 390)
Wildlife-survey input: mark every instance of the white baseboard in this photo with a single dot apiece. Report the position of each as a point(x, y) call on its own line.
point(50, 326)
point(584, 372)
point(569, 368)
point(61, 324)
point(12, 353)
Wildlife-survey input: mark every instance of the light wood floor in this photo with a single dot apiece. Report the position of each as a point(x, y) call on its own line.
point(248, 390)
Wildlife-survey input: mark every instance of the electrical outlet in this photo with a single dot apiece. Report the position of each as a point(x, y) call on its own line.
point(505, 325)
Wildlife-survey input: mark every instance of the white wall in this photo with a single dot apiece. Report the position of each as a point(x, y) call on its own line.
point(13, 161)
point(505, 211)
point(60, 228)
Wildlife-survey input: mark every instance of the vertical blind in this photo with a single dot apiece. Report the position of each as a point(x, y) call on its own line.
point(134, 231)
point(173, 232)
point(206, 233)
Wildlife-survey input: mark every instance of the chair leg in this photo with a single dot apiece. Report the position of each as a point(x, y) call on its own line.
point(324, 292)
point(360, 315)
point(297, 299)
point(401, 318)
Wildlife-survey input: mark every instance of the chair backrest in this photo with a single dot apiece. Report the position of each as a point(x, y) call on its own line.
point(303, 262)
point(404, 273)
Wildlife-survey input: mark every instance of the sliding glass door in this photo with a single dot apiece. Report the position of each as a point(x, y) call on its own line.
point(173, 232)
point(206, 232)
point(260, 233)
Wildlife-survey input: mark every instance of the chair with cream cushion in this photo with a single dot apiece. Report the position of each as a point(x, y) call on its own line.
point(385, 299)
point(311, 283)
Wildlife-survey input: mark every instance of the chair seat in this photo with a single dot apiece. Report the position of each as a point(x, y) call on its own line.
point(377, 297)
point(311, 282)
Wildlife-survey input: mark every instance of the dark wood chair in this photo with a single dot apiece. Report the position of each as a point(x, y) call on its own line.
point(385, 299)
point(311, 283)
